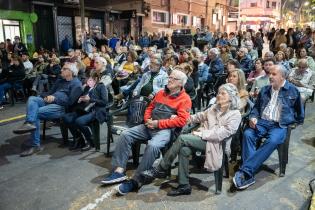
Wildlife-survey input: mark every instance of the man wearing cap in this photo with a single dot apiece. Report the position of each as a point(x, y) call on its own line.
point(18, 46)
point(50, 106)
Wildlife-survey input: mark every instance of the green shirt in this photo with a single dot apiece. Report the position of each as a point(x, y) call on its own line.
point(147, 89)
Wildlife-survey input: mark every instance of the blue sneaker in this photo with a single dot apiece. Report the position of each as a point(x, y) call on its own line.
point(241, 182)
point(127, 187)
point(114, 177)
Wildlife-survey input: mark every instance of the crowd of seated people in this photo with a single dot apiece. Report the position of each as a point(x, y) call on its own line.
point(76, 89)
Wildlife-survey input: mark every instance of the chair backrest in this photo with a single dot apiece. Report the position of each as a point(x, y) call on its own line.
point(136, 111)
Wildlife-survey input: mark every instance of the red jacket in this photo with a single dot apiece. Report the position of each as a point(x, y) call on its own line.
point(164, 105)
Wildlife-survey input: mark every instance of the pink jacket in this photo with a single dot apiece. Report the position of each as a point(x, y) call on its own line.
point(216, 127)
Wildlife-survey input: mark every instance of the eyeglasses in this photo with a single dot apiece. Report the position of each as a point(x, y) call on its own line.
point(302, 67)
point(173, 78)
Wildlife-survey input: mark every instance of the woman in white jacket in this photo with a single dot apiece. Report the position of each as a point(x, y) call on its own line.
point(217, 124)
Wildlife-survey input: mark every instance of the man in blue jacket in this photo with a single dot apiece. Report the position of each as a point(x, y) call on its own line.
point(63, 94)
point(246, 64)
point(278, 105)
point(215, 63)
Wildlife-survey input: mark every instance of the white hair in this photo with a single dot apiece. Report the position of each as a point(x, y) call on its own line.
point(284, 45)
point(215, 51)
point(102, 60)
point(73, 68)
point(245, 50)
point(195, 50)
point(181, 75)
point(284, 72)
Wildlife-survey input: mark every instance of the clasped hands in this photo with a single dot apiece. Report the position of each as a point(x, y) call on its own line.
point(49, 99)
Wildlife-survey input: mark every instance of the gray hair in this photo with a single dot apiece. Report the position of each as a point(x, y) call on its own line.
point(73, 68)
point(102, 60)
point(233, 94)
point(284, 72)
point(269, 54)
point(245, 50)
point(195, 50)
point(215, 51)
point(284, 45)
point(158, 58)
point(181, 75)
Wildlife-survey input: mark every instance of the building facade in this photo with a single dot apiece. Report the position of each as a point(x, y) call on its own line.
point(260, 14)
point(167, 15)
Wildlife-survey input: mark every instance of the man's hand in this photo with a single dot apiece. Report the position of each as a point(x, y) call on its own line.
point(85, 98)
point(252, 123)
point(49, 99)
point(152, 124)
point(151, 96)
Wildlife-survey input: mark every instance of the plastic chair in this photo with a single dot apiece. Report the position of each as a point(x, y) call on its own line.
point(17, 86)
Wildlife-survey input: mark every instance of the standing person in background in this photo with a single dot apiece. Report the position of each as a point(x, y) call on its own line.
point(280, 38)
point(113, 41)
point(65, 45)
point(18, 46)
point(9, 45)
point(233, 42)
point(144, 40)
point(259, 44)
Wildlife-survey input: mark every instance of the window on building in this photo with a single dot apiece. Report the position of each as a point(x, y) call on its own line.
point(9, 29)
point(159, 17)
point(182, 19)
point(267, 4)
point(253, 4)
point(274, 5)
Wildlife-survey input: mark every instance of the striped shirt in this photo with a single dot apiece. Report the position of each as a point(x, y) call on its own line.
point(272, 110)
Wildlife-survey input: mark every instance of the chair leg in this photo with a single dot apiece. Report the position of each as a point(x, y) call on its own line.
point(218, 178)
point(44, 130)
point(226, 167)
point(11, 96)
point(109, 138)
point(64, 132)
point(136, 153)
point(283, 153)
point(96, 135)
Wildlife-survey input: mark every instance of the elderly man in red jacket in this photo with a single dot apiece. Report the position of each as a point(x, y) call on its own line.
point(172, 101)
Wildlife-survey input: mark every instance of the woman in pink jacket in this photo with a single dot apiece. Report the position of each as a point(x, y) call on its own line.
point(217, 124)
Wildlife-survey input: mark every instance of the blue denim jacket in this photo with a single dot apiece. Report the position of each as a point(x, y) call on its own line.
point(203, 70)
point(246, 64)
point(292, 109)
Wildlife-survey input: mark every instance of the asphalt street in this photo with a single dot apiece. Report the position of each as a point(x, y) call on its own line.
point(59, 179)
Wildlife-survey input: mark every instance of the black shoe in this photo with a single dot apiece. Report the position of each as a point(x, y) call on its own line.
point(25, 128)
point(78, 143)
point(180, 190)
point(87, 147)
point(31, 150)
point(154, 173)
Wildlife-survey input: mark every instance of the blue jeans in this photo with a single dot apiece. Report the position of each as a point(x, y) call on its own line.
point(156, 139)
point(253, 158)
point(76, 122)
point(37, 109)
point(3, 88)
